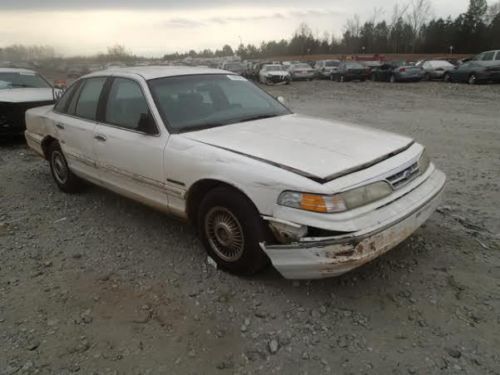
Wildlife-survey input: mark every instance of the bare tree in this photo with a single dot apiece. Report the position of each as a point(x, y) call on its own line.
point(492, 12)
point(418, 14)
point(398, 12)
point(353, 26)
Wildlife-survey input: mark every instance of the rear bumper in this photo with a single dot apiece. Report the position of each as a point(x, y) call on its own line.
point(328, 257)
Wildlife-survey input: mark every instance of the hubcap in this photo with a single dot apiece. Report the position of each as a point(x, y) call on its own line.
point(224, 234)
point(472, 79)
point(60, 167)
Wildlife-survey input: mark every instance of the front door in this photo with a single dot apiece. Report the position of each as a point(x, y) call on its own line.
point(129, 159)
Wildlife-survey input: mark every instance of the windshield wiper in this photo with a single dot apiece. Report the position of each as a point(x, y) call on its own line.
point(209, 125)
point(258, 117)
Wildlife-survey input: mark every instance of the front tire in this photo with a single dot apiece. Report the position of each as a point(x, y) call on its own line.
point(392, 79)
point(472, 79)
point(66, 180)
point(231, 229)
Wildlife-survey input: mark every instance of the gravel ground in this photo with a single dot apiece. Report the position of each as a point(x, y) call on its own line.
point(97, 284)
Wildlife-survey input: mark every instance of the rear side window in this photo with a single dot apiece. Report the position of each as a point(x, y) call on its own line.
point(126, 104)
point(62, 104)
point(88, 99)
point(488, 56)
point(497, 58)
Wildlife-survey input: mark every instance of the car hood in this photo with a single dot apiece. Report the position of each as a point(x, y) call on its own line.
point(315, 148)
point(23, 95)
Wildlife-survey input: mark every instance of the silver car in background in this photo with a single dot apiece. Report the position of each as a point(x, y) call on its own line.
point(435, 69)
point(301, 71)
point(325, 68)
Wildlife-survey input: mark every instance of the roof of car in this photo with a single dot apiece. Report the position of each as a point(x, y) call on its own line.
point(16, 70)
point(152, 72)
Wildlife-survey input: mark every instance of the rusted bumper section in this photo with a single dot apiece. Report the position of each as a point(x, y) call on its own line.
point(335, 256)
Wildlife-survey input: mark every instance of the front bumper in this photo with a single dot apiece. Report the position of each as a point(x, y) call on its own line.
point(277, 78)
point(333, 256)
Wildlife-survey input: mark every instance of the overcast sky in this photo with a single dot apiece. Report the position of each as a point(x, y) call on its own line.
point(155, 27)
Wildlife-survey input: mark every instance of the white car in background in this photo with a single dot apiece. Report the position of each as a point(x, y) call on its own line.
point(20, 90)
point(316, 198)
point(274, 73)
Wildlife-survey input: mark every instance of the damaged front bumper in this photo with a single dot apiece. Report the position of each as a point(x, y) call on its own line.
point(314, 258)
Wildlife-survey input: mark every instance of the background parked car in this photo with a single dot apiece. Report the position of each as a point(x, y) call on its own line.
point(435, 69)
point(398, 71)
point(301, 71)
point(350, 71)
point(473, 72)
point(488, 58)
point(20, 90)
point(324, 68)
point(233, 66)
point(274, 73)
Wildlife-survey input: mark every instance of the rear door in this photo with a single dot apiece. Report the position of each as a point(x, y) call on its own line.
point(130, 160)
point(75, 120)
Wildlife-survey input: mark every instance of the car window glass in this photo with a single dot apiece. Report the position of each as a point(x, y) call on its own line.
point(126, 104)
point(488, 56)
point(497, 58)
point(88, 99)
point(188, 102)
point(63, 102)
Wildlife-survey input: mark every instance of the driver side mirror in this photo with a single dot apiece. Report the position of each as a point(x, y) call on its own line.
point(147, 124)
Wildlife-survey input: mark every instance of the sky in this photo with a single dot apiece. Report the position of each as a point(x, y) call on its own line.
point(155, 27)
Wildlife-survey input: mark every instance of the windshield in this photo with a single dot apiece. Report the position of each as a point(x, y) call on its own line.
point(272, 67)
point(332, 63)
point(195, 102)
point(354, 66)
point(9, 80)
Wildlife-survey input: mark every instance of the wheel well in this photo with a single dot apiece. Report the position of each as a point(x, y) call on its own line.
point(198, 191)
point(46, 144)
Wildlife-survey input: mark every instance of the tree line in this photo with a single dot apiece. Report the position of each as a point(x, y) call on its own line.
point(409, 29)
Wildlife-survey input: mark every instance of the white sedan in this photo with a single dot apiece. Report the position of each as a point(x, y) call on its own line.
point(261, 184)
point(274, 73)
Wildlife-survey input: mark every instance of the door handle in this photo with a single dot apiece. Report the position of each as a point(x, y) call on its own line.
point(59, 125)
point(100, 138)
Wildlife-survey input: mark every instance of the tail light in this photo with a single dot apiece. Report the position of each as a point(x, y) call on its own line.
point(402, 70)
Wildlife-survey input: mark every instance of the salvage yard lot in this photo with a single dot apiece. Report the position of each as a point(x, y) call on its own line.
point(96, 283)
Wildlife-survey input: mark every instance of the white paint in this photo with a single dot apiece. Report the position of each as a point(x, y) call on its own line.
point(159, 170)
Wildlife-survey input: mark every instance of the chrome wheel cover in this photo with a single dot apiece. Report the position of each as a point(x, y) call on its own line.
point(224, 234)
point(60, 167)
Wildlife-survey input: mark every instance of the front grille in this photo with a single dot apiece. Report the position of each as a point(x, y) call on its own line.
point(403, 177)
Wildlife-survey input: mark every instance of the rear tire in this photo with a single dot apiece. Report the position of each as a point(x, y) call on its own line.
point(231, 229)
point(472, 80)
point(66, 180)
point(392, 79)
point(447, 78)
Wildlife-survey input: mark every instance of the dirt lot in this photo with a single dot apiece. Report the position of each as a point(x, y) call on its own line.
point(94, 283)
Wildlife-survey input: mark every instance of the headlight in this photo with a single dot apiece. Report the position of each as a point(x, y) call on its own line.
point(337, 202)
point(424, 162)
